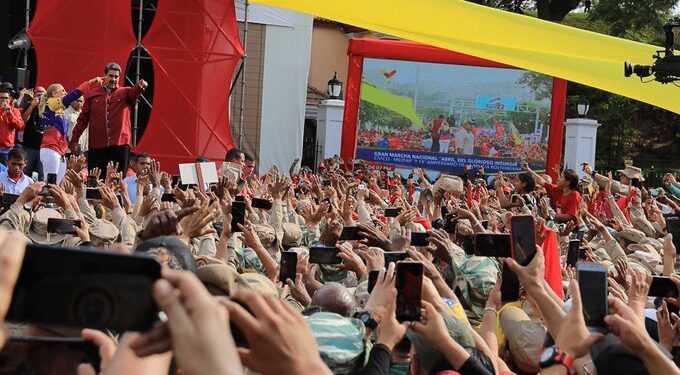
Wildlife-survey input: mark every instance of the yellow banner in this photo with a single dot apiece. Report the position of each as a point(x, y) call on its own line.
point(400, 104)
point(561, 51)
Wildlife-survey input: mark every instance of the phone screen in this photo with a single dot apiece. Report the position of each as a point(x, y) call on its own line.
point(261, 203)
point(394, 257)
point(592, 280)
point(93, 194)
point(43, 356)
point(662, 286)
point(349, 234)
point(509, 285)
point(492, 245)
point(409, 283)
point(468, 244)
point(573, 252)
point(392, 212)
point(175, 180)
point(84, 288)
point(238, 215)
point(51, 178)
point(523, 240)
point(91, 181)
point(372, 279)
point(419, 239)
point(167, 197)
point(9, 199)
point(62, 226)
point(673, 224)
point(288, 266)
point(324, 255)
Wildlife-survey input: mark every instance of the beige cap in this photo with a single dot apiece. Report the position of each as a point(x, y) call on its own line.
point(525, 338)
point(266, 233)
point(38, 229)
point(292, 235)
point(632, 172)
point(103, 232)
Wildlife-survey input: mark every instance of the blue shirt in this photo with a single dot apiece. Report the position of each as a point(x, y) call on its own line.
point(132, 187)
point(12, 187)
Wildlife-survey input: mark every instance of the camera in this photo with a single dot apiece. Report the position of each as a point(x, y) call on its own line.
point(666, 67)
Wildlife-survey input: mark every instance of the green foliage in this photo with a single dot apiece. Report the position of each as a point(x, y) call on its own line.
point(633, 19)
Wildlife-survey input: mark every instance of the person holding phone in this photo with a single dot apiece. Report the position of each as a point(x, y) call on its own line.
point(564, 193)
point(31, 137)
point(10, 123)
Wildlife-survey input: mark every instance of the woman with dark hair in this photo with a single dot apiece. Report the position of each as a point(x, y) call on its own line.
point(523, 199)
point(564, 194)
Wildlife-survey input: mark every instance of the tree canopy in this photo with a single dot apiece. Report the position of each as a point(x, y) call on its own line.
point(631, 130)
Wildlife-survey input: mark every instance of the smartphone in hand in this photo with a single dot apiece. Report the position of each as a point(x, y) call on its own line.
point(409, 284)
point(419, 239)
point(261, 203)
point(392, 211)
point(492, 245)
point(523, 239)
point(573, 252)
point(324, 255)
point(349, 234)
point(62, 226)
point(238, 215)
point(663, 286)
point(78, 288)
point(288, 267)
point(509, 285)
point(592, 281)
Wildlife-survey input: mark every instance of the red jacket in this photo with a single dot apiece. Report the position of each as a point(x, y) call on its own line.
point(107, 113)
point(9, 124)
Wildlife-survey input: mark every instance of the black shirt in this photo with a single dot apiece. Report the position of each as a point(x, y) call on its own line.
point(32, 133)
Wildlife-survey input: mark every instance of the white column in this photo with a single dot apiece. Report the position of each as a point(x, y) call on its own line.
point(580, 140)
point(329, 127)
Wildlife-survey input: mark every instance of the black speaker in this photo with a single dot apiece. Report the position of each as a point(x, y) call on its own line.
point(19, 77)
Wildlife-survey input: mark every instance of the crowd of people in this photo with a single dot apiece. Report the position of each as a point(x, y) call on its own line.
point(496, 140)
point(227, 309)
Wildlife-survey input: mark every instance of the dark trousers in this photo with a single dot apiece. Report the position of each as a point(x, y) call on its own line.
point(33, 163)
point(100, 157)
point(435, 145)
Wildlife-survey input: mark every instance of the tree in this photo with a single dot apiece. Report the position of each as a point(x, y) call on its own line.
point(630, 17)
point(550, 10)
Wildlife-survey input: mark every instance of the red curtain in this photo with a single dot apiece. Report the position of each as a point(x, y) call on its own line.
point(75, 39)
point(195, 47)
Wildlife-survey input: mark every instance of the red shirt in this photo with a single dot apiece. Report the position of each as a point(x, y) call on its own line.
point(107, 113)
point(9, 124)
point(53, 140)
point(566, 204)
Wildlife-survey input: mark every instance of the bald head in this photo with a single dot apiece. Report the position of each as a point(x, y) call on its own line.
point(334, 297)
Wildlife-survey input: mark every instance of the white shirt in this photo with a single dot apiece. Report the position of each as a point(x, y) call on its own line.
point(12, 187)
point(72, 117)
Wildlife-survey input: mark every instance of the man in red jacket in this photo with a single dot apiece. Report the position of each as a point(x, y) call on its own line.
point(107, 114)
point(10, 123)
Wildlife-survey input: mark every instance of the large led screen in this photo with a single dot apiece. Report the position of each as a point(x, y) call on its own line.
point(444, 116)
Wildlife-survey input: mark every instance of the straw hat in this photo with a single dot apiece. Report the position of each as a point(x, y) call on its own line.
point(632, 172)
point(38, 230)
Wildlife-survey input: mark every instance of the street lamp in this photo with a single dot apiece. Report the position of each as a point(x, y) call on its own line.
point(582, 107)
point(335, 87)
